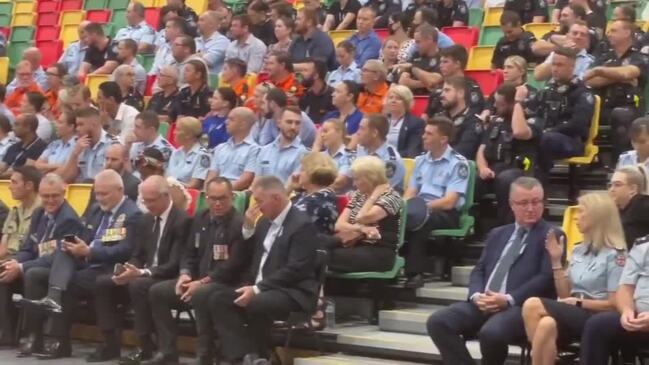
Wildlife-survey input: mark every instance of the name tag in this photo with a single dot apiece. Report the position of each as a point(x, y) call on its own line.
point(220, 252)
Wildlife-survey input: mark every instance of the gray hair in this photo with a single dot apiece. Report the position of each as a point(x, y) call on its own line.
point(158, 182)
point(269, 184)
point(110, 177)
point(121, 70)
point(53, 179)
point(172, 70)
point(635, 175)
point(525, 183)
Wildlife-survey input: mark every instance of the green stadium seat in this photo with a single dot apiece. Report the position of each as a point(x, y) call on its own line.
point(146, 61)
point(5, 19)
point(109, 29)
point(163, 129)
point(22, 34)
point(489, 35)
point(214, 81)
point(240, 201)
point(476, 16)
point(7, 9)
point(119, 18)
point(466, 221)
point(530, 80)
point(117, 4)
point(94, 4)
point(15, 51)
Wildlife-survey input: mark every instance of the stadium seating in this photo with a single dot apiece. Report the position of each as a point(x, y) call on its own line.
point(490, 35)
point(23, 20)
point(338, 36)
point(93, 82)
point(24, 8)
point(119, 18)
point(191, 207)
point(22, 34)
point(476, 16)
point(4, 70)
point(5, 194)
point(78, 195)
point(480, 58)
point(71, 5)
point(51, 51)
point(465, 36)
point(48, 19)
point(409, 164)
point(540, 29)
point(492, 16)
point(419, 105)
point(15, 51)
point(199, 6)
point(163, 129)
point(99, 16)
point(72, 17)
point(573, 236)
point(466, 220)
point(47, 33)
point(48, 6)
point(487, 79)
point(382, 33)
point(94, 4)
point(152, 17)
point(117, 4)
point(69, 34)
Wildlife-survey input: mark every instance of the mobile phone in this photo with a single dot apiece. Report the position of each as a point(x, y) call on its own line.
point(70, 238)
point(118, 269)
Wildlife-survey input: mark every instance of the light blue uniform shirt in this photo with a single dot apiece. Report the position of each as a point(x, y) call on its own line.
point(281, 162)
point(7, 113)
point(351, 73)
point(367, 48)
point(40, 77)
point(163, 57)
point(141, 33)
point(395, 169)
point(434, 178)
point(629, 158)
point(212, 51)
point(161, 144)
point(73, 56)
point(230, 160)
point(58, 152)
point(636, 272)
point(92, 160)
point(193, 164)
point(444, 41)
point(343, 159)
point(5, 144)
point(582, 63)
point(592, 275)
point(266, 132)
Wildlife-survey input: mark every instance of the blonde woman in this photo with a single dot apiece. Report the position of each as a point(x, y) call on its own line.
point(405, 128)
point(587, 287)
point(515, 73)
point(191, 161)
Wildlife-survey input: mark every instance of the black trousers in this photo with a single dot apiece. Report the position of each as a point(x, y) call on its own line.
point(555, 146)
point(248, 330)
point(8, 312)
point(417, 241)
point(108, 297)
point(449, 327)
point(36, 284)
point(205, 320)
point(162, 298)
point(500, 185)
point(603, 333)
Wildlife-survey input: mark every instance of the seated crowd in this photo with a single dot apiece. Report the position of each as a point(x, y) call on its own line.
point(299, 125)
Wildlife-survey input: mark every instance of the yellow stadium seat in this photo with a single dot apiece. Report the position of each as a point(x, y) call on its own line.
point(93, 82)
point(4, 70)
point(338, 36)
point(643, 25)
point(72, 17)
point(480, 58)
point(540, 29)
point(298, 4)
point(22, 20)
point(24, 8)
point(199, 6)
point(5, 194)
point(409, 164)
point(78, 196)
point(69, 34)
point(570, 229)
point(492, 16)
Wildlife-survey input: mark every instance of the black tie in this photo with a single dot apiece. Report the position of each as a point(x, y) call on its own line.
point(507, 260)
point(156, 237)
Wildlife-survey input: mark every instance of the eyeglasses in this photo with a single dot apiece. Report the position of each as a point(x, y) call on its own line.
point(218, 199)
point(367, 70)
point(52, 74)
point(527, 203)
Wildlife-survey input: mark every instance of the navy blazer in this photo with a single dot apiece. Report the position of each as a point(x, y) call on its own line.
point(531, 273)
point(66, 221)
point(410, 144)
point(110, 253)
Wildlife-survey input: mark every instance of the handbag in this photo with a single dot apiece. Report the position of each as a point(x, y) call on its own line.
point(349, 238)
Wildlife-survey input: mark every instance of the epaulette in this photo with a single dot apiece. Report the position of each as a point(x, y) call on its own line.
point(641, 240)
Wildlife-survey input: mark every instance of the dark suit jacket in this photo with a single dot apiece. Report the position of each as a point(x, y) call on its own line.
point(290, 265)
point(410, 143)
point(131, 184)
point(198, 250)
point(66, 222)
point(531, 273)
point(635, 219)
point(109, 253)
point(172, 242)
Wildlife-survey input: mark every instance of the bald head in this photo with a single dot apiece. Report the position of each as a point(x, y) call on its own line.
point(154, 192)
point(33, 55)
point(109, 189)
point(115, 159)
point(209, 22)
point(240, 121)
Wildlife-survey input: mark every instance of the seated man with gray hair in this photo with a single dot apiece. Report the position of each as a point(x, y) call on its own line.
point(167, 82)
point(628, 188)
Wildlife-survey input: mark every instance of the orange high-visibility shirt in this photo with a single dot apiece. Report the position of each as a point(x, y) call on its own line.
point(15, 98)
point(372, 102)
point(290, 85)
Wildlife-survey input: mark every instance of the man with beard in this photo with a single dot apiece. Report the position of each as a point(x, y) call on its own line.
point(126, 52)
point(274, 103)
point(316, 101)
point(311, 41)
point(558, 38)
point(508, 148)
point(101, 56)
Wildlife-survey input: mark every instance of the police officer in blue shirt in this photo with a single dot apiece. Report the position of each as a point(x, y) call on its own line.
point(440, 177)
point(236, 159)
point(145, 133)
point(137, 29)
point(372, 138)
point(58, 152)
point(332, 138)
point(88, 156)
point(75, 52)
point(282, 157)
point(189, 163)
point(639, 134)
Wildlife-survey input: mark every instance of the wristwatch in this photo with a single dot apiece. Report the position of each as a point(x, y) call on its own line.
point(579, 303)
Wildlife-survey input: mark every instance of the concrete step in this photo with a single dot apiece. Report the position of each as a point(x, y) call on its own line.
point(443, 292)
point(341, 359)
point(460, 275)
point(407, 319)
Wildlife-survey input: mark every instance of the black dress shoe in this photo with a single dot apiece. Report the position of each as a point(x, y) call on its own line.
point(136, 357)
point(104, 353)
point(55, 350)
point(30, 345)
point(415, 282)
point(47, 304)
point(162, 359)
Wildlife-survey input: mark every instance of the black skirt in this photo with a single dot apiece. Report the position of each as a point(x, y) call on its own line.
point(570, 319)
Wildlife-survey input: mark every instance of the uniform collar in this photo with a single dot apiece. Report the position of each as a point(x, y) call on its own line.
point(445, 156)
point(248, 140)
point(352, 67)
point(103, 138)
point(340, 152)
point(116, 208)
point(295, 143)
point(195, 148)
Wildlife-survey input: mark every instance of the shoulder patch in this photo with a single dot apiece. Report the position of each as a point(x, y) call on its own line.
point(463, 171)
point(205, 161)
point(390, 169)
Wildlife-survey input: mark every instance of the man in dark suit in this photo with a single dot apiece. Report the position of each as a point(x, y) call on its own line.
point(161, 238)
point(215, 255)
point(107, 239)
point(49, 224)
point(281, 276)
point(513, 267)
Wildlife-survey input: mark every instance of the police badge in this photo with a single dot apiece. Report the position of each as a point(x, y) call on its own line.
point(463, 171)
point(390, 169)
point(205, 161)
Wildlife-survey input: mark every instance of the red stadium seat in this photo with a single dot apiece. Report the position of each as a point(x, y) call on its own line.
point(47, 19)
point(6, 31)
point(99, 16)
point(152, 17)
point(419, 106)
point(383, 33)
point(487, 79)
point(191, 207)
point(71, 5)
point(47, 33)
point(48, 6)
point(171, 137)
point(51, 51)
point(465, 36)
point(341, 202)
point(150, 81)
